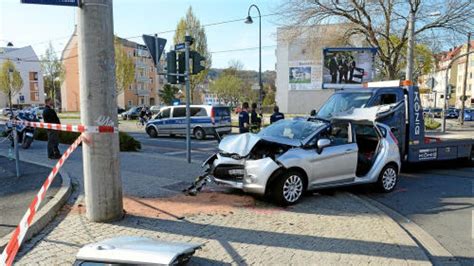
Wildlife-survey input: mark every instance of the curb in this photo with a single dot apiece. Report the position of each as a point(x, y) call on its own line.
point(46, 213)
point(434, 251)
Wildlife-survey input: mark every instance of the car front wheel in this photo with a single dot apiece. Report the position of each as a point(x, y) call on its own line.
point(152, 132)
point(288, 189)
point(388, 178)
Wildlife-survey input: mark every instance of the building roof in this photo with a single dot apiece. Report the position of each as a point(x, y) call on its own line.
point(453, 52)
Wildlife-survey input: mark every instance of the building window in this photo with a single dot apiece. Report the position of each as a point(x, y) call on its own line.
point(33, 76)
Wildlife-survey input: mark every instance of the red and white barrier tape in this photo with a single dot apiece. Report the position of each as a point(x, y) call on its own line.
point(65, 127)
point(10, 251)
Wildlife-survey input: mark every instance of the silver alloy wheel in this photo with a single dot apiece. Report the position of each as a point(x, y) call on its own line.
point(293, 188)
point(389, 178)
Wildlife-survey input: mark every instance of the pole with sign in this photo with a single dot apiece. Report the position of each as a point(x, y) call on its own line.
point(188, 41)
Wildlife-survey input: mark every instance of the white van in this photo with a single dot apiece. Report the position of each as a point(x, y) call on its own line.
point(205, 120)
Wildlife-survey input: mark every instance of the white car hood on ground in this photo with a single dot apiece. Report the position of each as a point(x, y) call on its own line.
point(135, 250)
point(240, 144)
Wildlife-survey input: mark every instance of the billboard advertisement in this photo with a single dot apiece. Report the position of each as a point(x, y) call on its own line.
point(347, 67)
point(304, 75)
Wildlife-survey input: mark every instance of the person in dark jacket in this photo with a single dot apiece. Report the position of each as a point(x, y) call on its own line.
point(276, 115)
point(244, 118)
point(255, 119)
point(333, 67)
point(50, 116)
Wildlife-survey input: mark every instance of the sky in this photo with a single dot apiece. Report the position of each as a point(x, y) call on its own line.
point(37, 25)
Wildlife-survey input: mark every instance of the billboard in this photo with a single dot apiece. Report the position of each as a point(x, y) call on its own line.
point(347, 67)
point(304, 75)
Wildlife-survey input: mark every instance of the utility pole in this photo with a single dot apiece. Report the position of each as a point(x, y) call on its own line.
point(411, 44)
point(463, 97)
point(187, 73)
point(102, 182)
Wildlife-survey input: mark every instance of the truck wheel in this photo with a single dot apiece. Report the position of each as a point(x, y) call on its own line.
point(288, 189)
point(199, 133)
point(151, 131)
point(388, 178)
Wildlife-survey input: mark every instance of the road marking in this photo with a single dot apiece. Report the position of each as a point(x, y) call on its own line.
point(174, 153)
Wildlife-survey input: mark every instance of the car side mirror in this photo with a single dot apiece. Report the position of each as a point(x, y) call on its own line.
point(323, 143)
point(313, 112)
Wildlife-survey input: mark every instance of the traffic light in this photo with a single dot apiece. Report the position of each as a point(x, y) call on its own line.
point(181, 66)
point(197, 62)
point(171, 67)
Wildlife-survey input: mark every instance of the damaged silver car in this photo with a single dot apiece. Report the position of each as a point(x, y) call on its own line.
point(292, 156)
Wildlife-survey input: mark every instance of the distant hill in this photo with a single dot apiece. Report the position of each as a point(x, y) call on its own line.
point(250, 75)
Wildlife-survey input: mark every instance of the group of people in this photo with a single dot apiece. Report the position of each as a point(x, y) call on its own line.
point(144, 115)
point(253, 122)
point(342, 66)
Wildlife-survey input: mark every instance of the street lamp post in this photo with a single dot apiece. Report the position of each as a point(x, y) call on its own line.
point(249, 20)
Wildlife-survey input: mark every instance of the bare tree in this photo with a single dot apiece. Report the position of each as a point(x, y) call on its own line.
point(380, 22)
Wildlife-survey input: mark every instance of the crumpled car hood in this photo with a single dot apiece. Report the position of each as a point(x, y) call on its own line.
point(242, 144)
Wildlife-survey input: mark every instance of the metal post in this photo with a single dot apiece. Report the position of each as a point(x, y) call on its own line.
point(102, 182)
point(17, 151)
point(411, 44)
point(260, 84)
point(445, 99)
point(463, 102)
point(188, 96)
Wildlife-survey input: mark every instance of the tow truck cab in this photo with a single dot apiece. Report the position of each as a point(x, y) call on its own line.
point(405, 120)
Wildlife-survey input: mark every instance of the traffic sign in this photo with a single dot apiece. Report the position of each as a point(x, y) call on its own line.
point(179, 46)
point(52, 2)
point(150, 42)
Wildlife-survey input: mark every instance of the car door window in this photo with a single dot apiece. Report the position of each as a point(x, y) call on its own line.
point(165, 113)
point(179, 112)
point(339, 134)
point(386, 98)
point(198, 111)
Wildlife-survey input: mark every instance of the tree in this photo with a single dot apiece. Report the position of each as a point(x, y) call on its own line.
point(168, 93)
point(190, 25)
point(124, 67)
point(53, 73)
point(10, 80)
point(378, 21)
point(229, 88)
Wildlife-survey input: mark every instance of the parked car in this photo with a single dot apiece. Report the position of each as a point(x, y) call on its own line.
point(468, 114)
point(131, 113)
point(155, 109)
point(120, 110)
point(437, 112)
point(6, 111)
point(205, 120)
point(290, 157)
point(452, 113)
point(38, 111)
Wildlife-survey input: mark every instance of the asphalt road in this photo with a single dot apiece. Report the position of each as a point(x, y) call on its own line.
point(438, 198)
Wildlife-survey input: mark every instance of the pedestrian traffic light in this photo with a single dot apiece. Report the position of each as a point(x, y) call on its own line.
point(171, 67)
point(181, 66)
point(197, 62)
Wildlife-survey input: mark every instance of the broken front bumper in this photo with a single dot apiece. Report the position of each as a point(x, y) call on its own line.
point(249, 175)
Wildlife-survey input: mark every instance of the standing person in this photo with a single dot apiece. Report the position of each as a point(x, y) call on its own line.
point(141, 115)
point(343, 69)
point(276, 115)
point(50, 116)
point(352, 66)
point(244, 118)
point(333, 69)
point(255, 120)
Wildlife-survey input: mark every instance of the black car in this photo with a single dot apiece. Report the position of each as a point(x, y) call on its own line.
point(452, 113)
point(131, 113)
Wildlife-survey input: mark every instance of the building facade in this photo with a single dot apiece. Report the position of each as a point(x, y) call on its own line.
point(27, 63)
point(303, 47)
point(143, 90)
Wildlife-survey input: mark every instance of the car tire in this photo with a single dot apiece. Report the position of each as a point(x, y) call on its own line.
point(288, 188)
point(199, 133)
point(388, 178)
point(151, 131)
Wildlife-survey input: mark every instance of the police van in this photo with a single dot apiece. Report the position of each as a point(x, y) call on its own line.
point(205, 120)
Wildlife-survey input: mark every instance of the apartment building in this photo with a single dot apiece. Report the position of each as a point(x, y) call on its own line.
point(27, 63)
point(143, 91)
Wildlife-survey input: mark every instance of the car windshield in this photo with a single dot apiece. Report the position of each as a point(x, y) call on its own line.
point(292, 129)
point(340, 102)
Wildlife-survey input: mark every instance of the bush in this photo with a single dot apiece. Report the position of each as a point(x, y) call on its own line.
point(127, 142)
point(431, 124)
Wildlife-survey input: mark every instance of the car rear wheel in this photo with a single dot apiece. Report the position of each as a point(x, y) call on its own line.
point(152, 132)
point(199, 133)
point(388, 178)
point(288, 189)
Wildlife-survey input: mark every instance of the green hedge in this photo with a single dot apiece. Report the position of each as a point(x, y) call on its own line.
point(127, 142)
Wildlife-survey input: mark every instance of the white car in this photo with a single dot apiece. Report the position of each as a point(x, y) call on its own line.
point(6, 111)
point(290, 157)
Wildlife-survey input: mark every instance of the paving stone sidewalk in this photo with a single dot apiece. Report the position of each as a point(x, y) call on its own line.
point(323, 229)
